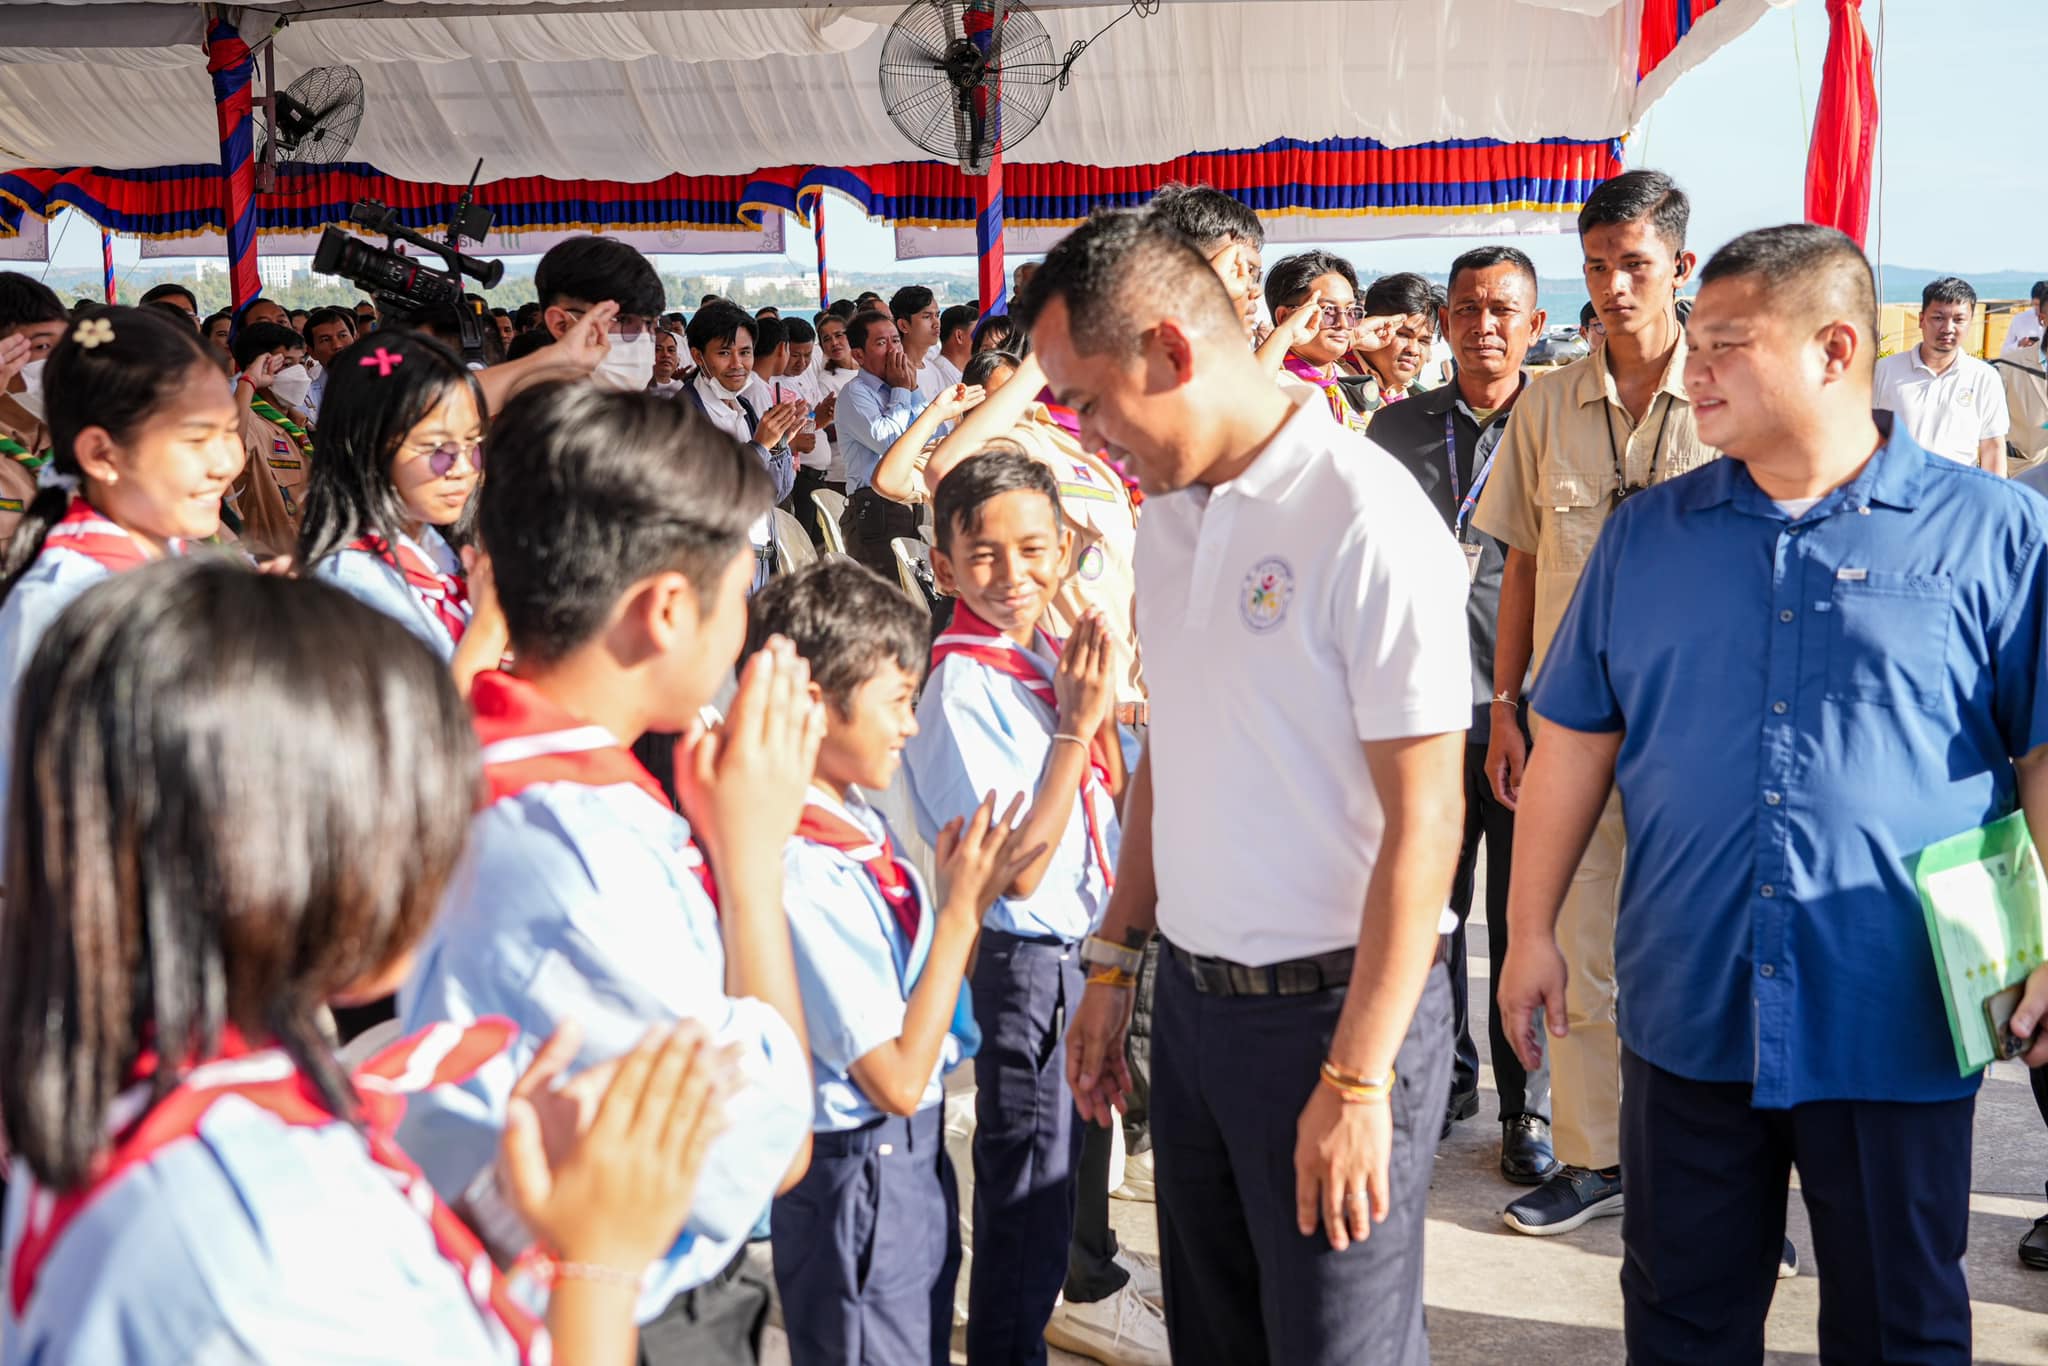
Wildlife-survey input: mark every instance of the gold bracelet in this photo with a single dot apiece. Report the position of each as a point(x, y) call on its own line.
point(597, 1273)
point(1113, 977)
point(1355, 1089)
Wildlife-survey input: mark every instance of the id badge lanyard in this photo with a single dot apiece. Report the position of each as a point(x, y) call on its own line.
point(1471, 499)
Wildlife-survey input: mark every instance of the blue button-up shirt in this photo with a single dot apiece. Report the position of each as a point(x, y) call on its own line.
point(872, 414)
point(1806, 703)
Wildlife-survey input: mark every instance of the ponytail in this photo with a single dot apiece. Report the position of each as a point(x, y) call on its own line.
point(112, 370)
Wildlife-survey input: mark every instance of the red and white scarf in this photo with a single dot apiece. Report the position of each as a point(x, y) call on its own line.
point(443, 1054)
point(971, 638)
point(444, 595)
point(83, 531)
point(827, 823)
point(527, 739)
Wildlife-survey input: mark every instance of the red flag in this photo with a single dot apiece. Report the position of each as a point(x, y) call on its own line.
point(1844, 127)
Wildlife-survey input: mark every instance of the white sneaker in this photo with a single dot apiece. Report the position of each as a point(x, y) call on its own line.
point(1137, 1179)
point(1143, 1270)
point(1123, 1330)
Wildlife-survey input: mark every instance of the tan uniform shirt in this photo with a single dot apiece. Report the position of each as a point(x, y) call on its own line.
point(1098, 506)
point(276, 476)
point(17, 491)
point(1553, 482)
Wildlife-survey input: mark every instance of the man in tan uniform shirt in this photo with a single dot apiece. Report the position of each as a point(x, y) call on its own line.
point(1581, 439)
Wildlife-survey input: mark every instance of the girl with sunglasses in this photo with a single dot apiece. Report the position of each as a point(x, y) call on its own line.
point(197, 1176)
point(401, 451)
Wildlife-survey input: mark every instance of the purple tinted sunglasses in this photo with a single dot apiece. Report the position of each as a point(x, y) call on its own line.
point(442, 458)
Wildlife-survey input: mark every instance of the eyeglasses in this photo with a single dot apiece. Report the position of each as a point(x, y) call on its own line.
point(1339, 315)
point(624, 326)
point(441, 459)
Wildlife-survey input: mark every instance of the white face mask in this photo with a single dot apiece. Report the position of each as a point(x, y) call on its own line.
point(291, 386)
point(628, 366)
point(31, 395)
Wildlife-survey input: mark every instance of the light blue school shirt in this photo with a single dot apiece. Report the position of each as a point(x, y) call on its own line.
point(253, 1240)
point(576, 902)
point(872, 415)
point(374, 580)
point(981, 731)
point(45, 589)
point(855, 968)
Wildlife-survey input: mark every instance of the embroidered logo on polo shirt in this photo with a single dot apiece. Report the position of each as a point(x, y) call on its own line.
point(1266, 593)
point(1090, 567)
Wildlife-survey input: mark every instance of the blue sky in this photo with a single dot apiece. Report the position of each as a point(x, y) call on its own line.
point(1964, 93)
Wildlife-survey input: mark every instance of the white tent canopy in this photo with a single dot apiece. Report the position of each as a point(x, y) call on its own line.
point(636, 90)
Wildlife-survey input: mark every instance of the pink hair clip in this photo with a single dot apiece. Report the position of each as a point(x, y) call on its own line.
point(383, 360)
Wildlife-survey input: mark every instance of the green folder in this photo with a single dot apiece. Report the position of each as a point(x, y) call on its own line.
point(1983, 893)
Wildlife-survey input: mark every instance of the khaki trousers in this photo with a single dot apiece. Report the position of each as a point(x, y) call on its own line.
point(1585, 1065)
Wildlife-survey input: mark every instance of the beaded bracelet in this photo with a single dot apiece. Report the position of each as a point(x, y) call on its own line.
point(597, 1273)
point(1113, 977)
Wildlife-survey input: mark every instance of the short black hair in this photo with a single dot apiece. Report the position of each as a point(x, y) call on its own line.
point(1949, 289)
point(163, 747)
point(846, 621)
point(842, 309)
point(721, 323)
point(768, 311)
point(863, 297)
point(1118, 272)
point(1403, 295)
point(1803, 266)
point(26, 301)
point(1288, 281)
point(998, 468)
point(1487, 258)
point(864, 324)
point(769, 333)
point(170, 289)
point(592, 491)
point(1588, 315)
point(1207, 216)
point(526, 316)
point(325, 316)
point(957, 317)
point(982, 365)
point(909, 301)
point(596, 270)
point(1639, 197)
point(999, 332)
point(260, 339)
point(528, 342)
point(2040, 294)
point(797, 332)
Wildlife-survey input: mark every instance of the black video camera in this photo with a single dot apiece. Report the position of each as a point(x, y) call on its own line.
point(407, 288)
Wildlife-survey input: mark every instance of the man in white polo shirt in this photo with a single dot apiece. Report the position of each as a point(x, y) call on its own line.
point(1293, 828)
point(1952, 403)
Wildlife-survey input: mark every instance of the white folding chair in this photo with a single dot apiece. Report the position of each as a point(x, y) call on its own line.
point(830, 507)
point(793, 548)
point(910, 556)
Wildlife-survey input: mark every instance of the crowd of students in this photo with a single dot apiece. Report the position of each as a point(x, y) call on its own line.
point(462, 938)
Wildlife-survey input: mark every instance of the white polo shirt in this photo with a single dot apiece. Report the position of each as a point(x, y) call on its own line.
point(1312, 603)
point(1947, 413)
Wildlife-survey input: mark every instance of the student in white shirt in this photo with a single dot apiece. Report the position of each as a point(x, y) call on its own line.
point(617, 526)
point(400, 456)
point(729, 393)
point(805, 378)
point(956, 343)
point(867, 1245)
point(668, 362)
point(2023, 338)
point(916, 311)
point(1294, 826)
point(1952, 403)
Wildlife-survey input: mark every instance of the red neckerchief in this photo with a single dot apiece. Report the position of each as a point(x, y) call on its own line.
point(972, 638)
point(83, 531)
point(527, 739)
point(440, 1055)
point(445, 595)
point(827, 823)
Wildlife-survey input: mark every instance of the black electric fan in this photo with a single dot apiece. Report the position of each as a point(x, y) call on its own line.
point(961, 76)
point(313, 121)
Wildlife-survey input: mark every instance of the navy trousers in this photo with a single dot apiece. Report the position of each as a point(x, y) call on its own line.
point(1230, 1077)
point(1887, 1185)
point(1027, 1145)
point(867, 1247)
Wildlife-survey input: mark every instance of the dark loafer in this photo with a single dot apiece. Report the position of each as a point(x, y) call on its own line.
point(1461, 1107)
point(2034, 1247)
point(1525, 1155)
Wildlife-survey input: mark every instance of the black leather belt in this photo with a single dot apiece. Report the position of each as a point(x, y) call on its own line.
point(1296, 977)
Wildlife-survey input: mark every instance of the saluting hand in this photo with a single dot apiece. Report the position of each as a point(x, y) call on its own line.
point(1304, 323)
point(588, 341)
point(14, 349)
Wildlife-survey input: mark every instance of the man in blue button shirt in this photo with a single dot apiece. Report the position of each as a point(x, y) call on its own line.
point(1800, 666)
point(875, 408)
